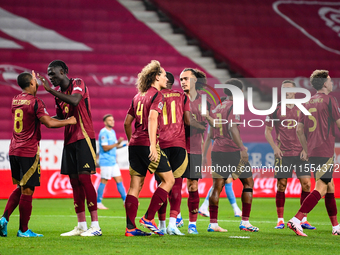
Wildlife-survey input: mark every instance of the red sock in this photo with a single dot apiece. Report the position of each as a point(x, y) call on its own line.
point(193, 204)
point(308, 204)
point(78, 195)
point(162, 211)
point(25, 210)
point(175, 198)
point(157, 200)
point(280, 203)
point(213, 210)
point(303, 196)
point(131, 207)
point(246, 208)
point(331, 208)
point(90, 192)
point(12, 202)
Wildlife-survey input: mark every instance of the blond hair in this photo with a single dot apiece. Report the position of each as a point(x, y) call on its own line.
point(148, 75)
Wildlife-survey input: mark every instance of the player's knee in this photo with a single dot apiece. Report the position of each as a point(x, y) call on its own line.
point(281, 185)
point(250, 190)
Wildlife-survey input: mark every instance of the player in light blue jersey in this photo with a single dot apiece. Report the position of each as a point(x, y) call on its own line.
point(108, 145)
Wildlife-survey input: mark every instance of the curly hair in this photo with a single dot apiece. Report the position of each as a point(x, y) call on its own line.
point(318, 78)
point(201, 77)
point(148, 75)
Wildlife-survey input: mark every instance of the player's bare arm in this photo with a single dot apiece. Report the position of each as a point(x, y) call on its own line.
point(206, 146)
point(268, 134)
point(152, 129)
point(73, 99)
point(302, 138)
point(117, 144)
point(235, 135)
point(190, 121)
point(54, 123)
point(128, 126)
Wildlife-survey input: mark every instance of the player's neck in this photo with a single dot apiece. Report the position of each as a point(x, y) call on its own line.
point(156, 86)
point(65, 83)
point(193, 94)
point(108, 128)
point(323, 91)
point(230, 98)
point(29, 91)
point(290, 106)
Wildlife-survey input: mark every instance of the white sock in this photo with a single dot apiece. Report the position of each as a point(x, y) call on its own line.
point(192, 222)
point(245, 222)
point(205, 204)
point(280, 219)
point(296, 220)
point(214, 225)
point(235, 207)
point(82, 225)
point(304, 219)
point(162, 224)
point(179, 216)
point(336, 227)
point(172, 221)
point(95, 224)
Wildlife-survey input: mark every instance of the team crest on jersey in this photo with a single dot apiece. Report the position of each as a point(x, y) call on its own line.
point(160, 105)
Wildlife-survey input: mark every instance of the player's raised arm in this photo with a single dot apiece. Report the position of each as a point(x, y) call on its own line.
point(55, 123)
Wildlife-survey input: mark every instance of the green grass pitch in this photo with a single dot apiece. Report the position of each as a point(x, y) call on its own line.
point(51, 217)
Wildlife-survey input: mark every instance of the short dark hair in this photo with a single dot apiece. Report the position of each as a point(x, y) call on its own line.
point(289, 81)
point(318, 78)
point(24, 79)
point(233, 81)
point(60, 63)
point(106, 116)
point(201, 77)
point(171, 78)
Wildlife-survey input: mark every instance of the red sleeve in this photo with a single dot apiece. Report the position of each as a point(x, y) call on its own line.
point(41, 111)
point(157, 104)
point(131, 110)
point(335, 109)
point(78, 87)
point(186, 103)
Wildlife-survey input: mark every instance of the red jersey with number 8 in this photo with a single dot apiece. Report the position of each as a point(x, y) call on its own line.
point(26, 111)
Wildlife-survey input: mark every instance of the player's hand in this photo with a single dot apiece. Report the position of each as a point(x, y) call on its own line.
point(244, 155)
point(120, 139)
point(45, 83)
point(153, 153)
point(278, 153)
point(72, 120)
point(303, 156)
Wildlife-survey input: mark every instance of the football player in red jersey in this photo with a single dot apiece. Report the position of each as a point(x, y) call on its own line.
point(28, 112)
point(230, 159)
point(175, 114)
point(191, 81)
point(288, 153)
point(79, 153)
point(316, 133)
point(144, 150)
